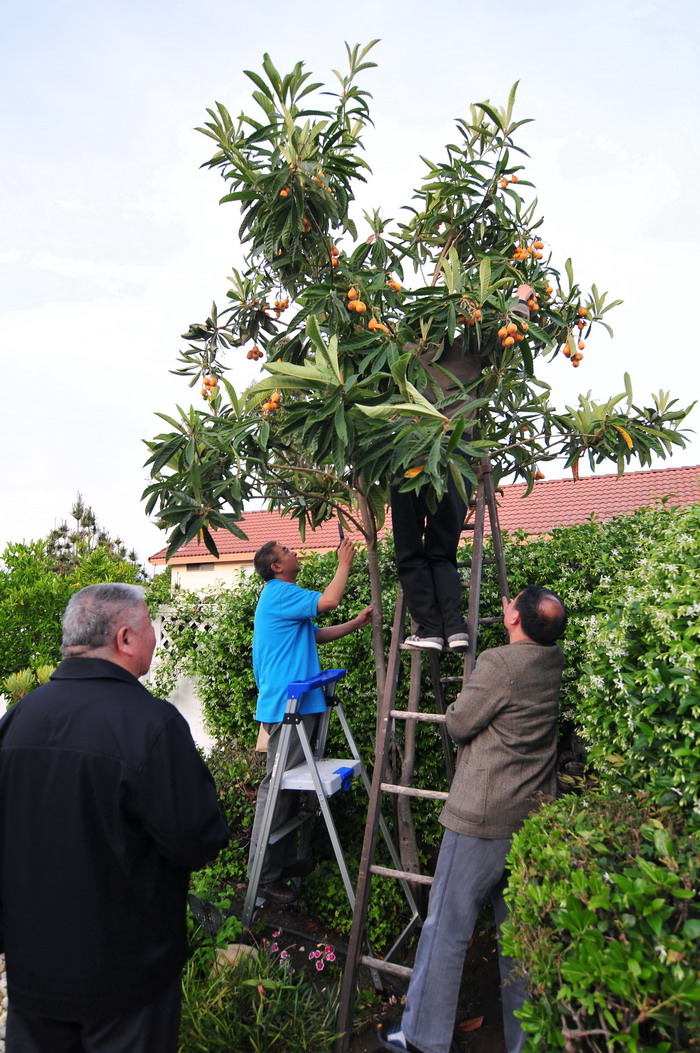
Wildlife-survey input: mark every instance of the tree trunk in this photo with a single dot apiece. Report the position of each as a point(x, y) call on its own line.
point(369, 525)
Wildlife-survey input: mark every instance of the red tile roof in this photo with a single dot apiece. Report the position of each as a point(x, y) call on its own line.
point(563, 502)
point(552, 503)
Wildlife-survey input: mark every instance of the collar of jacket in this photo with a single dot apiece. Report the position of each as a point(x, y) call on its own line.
point(92, 669)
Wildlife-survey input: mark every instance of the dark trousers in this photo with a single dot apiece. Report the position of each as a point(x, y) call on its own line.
point(283, 853)
point(152, 1028)
point(426, 559)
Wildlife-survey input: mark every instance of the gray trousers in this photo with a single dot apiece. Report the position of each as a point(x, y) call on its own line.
point(469, 870)
point(284, 852)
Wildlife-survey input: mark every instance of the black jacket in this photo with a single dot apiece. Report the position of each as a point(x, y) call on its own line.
point(105, 807)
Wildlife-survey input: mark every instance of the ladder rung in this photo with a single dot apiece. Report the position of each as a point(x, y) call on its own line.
point(451, 680)
point(412, 791)
point(468, 562)
point(426, 718)
point(402, 972)
point(401, 875)
point(490, 621)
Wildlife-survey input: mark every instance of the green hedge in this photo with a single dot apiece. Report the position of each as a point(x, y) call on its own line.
point(594, 567)
point(640, 696)
point(605, 922)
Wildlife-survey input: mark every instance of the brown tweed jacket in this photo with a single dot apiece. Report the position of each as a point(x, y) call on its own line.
point(506, 717)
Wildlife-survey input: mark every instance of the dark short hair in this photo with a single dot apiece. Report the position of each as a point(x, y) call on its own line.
point(264, 558)
point(543, 615)
point(94, 614)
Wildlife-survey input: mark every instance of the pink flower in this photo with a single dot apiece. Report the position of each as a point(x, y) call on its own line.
point(276, 934)
point(330, 957)
point(284, 954)
point(311, 955)
point(329, 949)
point(274, 948)
point(319, 965)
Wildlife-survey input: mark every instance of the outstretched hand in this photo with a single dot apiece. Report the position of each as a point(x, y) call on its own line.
point(364, 617)
point(346, 552)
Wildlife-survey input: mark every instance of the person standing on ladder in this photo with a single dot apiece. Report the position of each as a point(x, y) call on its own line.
point(426, 542)
point(285, 639)
point(506, 719)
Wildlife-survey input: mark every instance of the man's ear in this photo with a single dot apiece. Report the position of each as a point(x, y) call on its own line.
point(122, 641)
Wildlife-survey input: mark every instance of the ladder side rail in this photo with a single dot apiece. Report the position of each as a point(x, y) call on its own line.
point(327, 815)
point(439, 694)
point(289, 725)
point(383, 828)
point(496, 535)
point(475, 581)
point(357, 931)
point(406, 833)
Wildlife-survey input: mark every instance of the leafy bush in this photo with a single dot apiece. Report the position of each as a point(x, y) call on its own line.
point(254, 1006)
point(17, 685)
point(606, 925)
point(639, 708)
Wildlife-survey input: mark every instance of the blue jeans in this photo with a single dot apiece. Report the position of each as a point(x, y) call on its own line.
point(469, 870)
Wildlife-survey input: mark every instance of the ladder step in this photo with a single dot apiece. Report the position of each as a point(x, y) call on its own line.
point(291, 824)
point(335, 773)
point(491, 621)
point(402, 972)
point(401, 875)
point(425, 718)
point(451, 680)
point(412, 791)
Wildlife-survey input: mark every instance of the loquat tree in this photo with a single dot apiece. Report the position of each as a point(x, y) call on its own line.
point(343, 323)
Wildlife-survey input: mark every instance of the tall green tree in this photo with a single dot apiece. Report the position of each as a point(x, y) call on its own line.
point(341, 320)
point(38, 578)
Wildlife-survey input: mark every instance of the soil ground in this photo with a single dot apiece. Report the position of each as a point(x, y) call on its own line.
point(479, 1028)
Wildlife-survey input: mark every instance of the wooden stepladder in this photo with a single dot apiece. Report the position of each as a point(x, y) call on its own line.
point(358, 946)
point(318, 774)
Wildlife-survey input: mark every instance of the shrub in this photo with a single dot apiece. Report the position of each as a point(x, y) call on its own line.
point(606, 925)
point(639, 708)
point(254, 1006)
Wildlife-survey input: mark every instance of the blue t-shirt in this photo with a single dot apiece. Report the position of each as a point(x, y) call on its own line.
point(284, 648)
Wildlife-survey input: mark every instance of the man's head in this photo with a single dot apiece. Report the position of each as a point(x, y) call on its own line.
point(273, 560)
point(110, 621)
point(535, 614)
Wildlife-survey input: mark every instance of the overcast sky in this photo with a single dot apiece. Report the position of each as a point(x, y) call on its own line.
point(112, 240)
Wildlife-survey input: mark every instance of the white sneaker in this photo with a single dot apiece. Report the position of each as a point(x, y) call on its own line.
point(424, 643)
point(458, 641)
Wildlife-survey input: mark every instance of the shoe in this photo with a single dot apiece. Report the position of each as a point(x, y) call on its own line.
point(385, 1033)
point(424, 643)
point(278, 892)
point(458, 641)
point(299, 868)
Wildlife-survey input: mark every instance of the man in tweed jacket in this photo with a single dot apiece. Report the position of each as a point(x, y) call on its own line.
point(506, 719)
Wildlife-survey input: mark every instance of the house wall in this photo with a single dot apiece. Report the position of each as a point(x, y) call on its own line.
point(200, 577)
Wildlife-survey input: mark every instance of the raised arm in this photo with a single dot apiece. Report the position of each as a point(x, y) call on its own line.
point(333, 592)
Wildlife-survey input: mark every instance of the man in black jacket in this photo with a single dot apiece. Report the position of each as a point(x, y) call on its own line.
point(105, 808)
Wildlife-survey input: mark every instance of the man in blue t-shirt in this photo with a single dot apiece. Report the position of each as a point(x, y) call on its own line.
point(285, 642)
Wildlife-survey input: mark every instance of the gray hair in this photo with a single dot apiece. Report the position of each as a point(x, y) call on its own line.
point(94, 614)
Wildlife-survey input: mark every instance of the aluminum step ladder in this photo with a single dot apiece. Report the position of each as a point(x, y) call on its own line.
point(358, 947)
point(323, 775)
